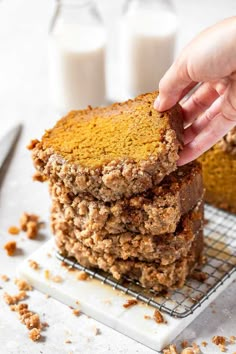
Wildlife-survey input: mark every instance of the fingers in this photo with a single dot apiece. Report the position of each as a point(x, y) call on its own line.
point(199, 102)
point(173, 86)
point(212, 128)
point(216, 129)
point(193, 130)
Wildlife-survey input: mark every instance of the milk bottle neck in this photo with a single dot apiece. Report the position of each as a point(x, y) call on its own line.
point(164, 5)
point(76, 12)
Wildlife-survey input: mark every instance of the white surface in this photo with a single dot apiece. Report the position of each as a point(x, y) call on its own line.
point(103, 303)
point(24, 97)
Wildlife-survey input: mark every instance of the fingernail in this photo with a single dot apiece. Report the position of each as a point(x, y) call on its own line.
point(157, 102)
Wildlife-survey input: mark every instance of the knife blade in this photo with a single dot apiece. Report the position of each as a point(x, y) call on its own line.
point(7, 143)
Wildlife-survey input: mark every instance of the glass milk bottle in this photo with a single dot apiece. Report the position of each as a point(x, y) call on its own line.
point(76, 56)
point(147, 42)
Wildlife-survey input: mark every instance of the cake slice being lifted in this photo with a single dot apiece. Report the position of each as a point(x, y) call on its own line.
point(112, 152)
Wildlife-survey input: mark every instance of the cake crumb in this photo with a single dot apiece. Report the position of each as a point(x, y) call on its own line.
point(4, 278)
point(76, 312)
point(57, 279)
point(200, 276)
point(68, 341)
point(30, 224)
point(34, 334)
point(196, 348)
point(10, 247)
point(33, 264)
point(39, 177)
point(47, 274)
point(77, 302)
point(184, 344)
point(188, 350)
point(96, 331)
point(82, 276)
point(13, 230)
point(147, 317)
point(158, 317)
point(232, 339)
point(47, 296)
point(217, 340)
point(204, 343)
point(19, 307)
point(14, 299)
point(170, 350)
point(44, 325)
point(130, 303)
point(23, 285)
point(32, 144)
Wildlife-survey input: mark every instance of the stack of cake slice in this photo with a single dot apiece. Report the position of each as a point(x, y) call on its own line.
point(119, 202)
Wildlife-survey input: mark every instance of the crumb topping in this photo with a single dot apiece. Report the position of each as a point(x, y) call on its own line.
point(13, 230)
point(14, 299)
point(23, 285)
point(34, 334)
point(30, 224)
point(130, 303)
point(82, 276)
point(158, 317)
point(10, 248)
point(33, 264)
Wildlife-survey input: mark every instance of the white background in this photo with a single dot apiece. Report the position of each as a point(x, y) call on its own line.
point(24, 97)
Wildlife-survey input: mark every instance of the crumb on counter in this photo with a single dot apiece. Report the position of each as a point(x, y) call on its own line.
point(68, 341)
point(30, 319)
point(184, 344)
point(204, 343)
point(14, 299)
point(232, 339)
point(76, 312)
point(217, 340)
point(188, 350)
point(170, 350)
point(130, 303)
point(200, 276)
point(4, 278)
point(96, 331)
point(158, 317)
point(57, 279)
point(33, 264)
point(23, 285)
point(147, 317)
point(82, 276)
point(47, 274)
point(13, 230)
point(10, 248)
point(34, 334)
point(30, 224)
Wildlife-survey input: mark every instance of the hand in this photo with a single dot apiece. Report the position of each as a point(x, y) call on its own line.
point(210, 112)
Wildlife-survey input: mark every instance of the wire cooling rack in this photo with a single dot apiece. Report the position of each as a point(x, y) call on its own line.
point(220, 252)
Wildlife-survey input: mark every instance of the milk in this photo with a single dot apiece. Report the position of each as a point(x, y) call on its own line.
point(77, 66)
point(147, 49)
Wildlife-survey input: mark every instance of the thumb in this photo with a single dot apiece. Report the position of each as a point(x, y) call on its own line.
point(229, 100)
